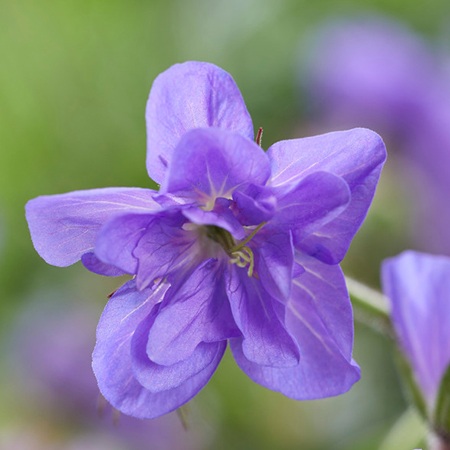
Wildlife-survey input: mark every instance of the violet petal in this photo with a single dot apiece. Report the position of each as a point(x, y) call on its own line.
point(199, 311)
point(186, 96)
point(112, 359)
point(326, 367)
point(159, 378)
point(275, 261)
point(65, 226)
point(265, 340)
point(221, 216)
point(308, 205)
point(210, 163)
point(418, 286)
point(355, 155)
point(92, 263)
point(254, 206)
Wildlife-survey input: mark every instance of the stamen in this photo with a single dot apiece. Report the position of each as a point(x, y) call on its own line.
point(244, 257)
point(259, 136)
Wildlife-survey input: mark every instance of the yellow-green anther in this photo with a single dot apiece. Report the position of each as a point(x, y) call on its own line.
point(251, 262)
point(244, 257)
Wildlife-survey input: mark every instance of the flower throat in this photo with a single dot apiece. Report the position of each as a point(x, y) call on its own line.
point(240, 254)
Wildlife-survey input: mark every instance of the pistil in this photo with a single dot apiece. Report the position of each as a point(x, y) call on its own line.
point(247, 239)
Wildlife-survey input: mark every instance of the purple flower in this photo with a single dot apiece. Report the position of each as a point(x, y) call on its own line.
point(418, 286)
point(239, 245)
point(376, 72)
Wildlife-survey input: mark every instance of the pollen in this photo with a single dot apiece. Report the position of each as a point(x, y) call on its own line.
point(242, 258)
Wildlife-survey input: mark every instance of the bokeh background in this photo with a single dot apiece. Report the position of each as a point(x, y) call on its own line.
point(74, 80)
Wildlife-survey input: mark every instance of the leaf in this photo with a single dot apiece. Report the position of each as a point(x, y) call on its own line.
point(408, 432)
point(441, 415)
point(370, 307)
point(410, 387)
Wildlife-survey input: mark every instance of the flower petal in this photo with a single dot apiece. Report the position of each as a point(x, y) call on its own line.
point(92, 263)
point(418, 286)
point(326, 368)
point(198, 312)
point(186, 96)
point(265, 340)
point(164, 247)
point(325, 286)
point(118, 239)
point(64, 227)
point(221, 216)
point(254, 206)
point(210, 163)
point(112, 360)
point(357, 156)
point(310, 204)
point(275, 261)
point(158, 378)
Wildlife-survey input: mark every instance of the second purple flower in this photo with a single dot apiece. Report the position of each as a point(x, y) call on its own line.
point(238, 245)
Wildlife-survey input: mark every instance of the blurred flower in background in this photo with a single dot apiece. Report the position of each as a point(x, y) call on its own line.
point(377, 73)
point(418, 287)
point(52, 346)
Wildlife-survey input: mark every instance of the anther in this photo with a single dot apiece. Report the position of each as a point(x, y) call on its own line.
point(242, 258)
point(259, 136)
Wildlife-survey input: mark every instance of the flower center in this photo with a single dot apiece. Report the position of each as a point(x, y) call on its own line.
point(239, 254)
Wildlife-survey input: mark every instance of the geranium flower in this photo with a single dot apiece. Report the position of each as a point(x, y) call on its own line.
point(418, 286)
point(238, 245)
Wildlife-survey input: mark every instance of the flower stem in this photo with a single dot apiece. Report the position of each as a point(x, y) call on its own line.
point(437, 442)
point(407, 433)
point(370, 306)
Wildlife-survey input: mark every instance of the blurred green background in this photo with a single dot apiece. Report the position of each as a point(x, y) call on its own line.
point(74, 80)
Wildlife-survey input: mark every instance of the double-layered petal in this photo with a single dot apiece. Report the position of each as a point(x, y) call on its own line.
point(356, 156)
point(126, 376)
point(187, 96)
point(318, 318)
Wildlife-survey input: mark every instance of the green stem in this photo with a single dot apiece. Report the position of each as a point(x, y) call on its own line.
point(407, 433)
point(370, 306)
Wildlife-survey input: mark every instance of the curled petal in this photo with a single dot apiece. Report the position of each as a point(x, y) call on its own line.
point(158, 378)
point(118, 239)
point(198, 312)
point(221, 216)
point(254, 206)
point(112, 360)
point(275, 261)
point(163, 248)
point(265, 340)
point(186, 96)
point(210, 163)
point(357, 156)
point(314, 317)
point(92, 263)
point(64, 227)
point(418, 286)
point(308, 205)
